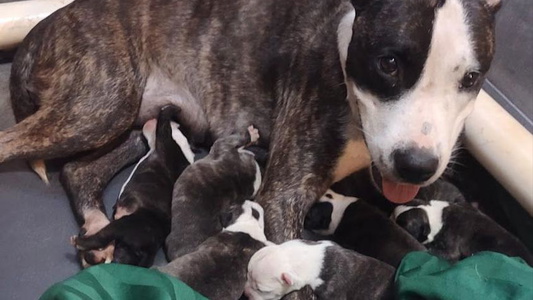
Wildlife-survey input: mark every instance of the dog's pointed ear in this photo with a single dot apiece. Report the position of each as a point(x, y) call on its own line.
point(493, 5)
point(287, 278)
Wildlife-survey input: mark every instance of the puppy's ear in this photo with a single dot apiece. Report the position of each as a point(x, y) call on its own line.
point(416, 223)
point(319, 216)
point(287, 278)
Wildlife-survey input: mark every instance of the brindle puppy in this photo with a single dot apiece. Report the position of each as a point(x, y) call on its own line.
point(227, 176)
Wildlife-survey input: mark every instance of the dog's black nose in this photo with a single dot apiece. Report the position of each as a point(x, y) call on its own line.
point(415, 165)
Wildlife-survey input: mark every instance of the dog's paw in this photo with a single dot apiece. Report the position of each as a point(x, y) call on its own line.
point(254, 134)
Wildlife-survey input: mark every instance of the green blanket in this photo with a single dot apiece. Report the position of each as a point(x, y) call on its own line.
point(116, 282)
point(484, 276)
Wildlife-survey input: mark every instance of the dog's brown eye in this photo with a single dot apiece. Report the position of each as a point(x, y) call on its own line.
point(388, 65)
point(469, 80)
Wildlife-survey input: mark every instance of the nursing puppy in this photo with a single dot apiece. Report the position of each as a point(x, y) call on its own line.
point(442, 190)
point(217, 268)
point(142, 212)
point(455, 231)
point(357, 225)
point(228, 175)
point(332, 272)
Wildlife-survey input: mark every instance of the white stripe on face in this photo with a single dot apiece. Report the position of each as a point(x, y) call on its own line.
point(432, 113)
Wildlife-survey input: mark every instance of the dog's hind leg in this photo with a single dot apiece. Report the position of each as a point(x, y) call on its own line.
point(85, 180)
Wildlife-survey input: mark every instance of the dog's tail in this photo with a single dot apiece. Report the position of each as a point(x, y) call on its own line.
point(39, 167)
point(50, 134)
point(27, 140)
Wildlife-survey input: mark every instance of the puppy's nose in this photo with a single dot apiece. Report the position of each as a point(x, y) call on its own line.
point(415, 165)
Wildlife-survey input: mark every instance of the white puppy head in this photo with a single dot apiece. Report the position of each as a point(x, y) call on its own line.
point(269, 275)
point(277, 270)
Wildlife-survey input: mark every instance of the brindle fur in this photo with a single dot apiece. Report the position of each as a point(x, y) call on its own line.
point(287, 80)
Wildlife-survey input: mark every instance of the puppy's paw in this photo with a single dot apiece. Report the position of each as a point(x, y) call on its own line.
point(95, 257)
point(94, 222)
point(254, 134)
point(74, 240)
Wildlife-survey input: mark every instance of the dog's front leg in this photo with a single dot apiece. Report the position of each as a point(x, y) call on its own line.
point(85, 180)
point(303, 156)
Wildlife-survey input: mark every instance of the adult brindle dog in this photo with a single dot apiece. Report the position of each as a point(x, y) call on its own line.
point(331, 85)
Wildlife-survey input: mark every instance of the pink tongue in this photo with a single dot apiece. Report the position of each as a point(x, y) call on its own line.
point(398, 193)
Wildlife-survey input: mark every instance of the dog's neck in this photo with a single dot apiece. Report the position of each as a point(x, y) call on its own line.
point(355, 155)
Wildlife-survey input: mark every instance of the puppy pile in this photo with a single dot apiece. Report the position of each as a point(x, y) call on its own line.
point(213, 234)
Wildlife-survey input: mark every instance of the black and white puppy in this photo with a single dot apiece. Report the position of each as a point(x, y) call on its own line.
point(357, 225)
point(228, 175)
point(142, 212)
point(455, 231)
point(217, 268)
point(332, 271)
point(442, 190)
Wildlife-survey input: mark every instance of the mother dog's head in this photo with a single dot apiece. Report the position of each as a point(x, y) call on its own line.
point(413, 69)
